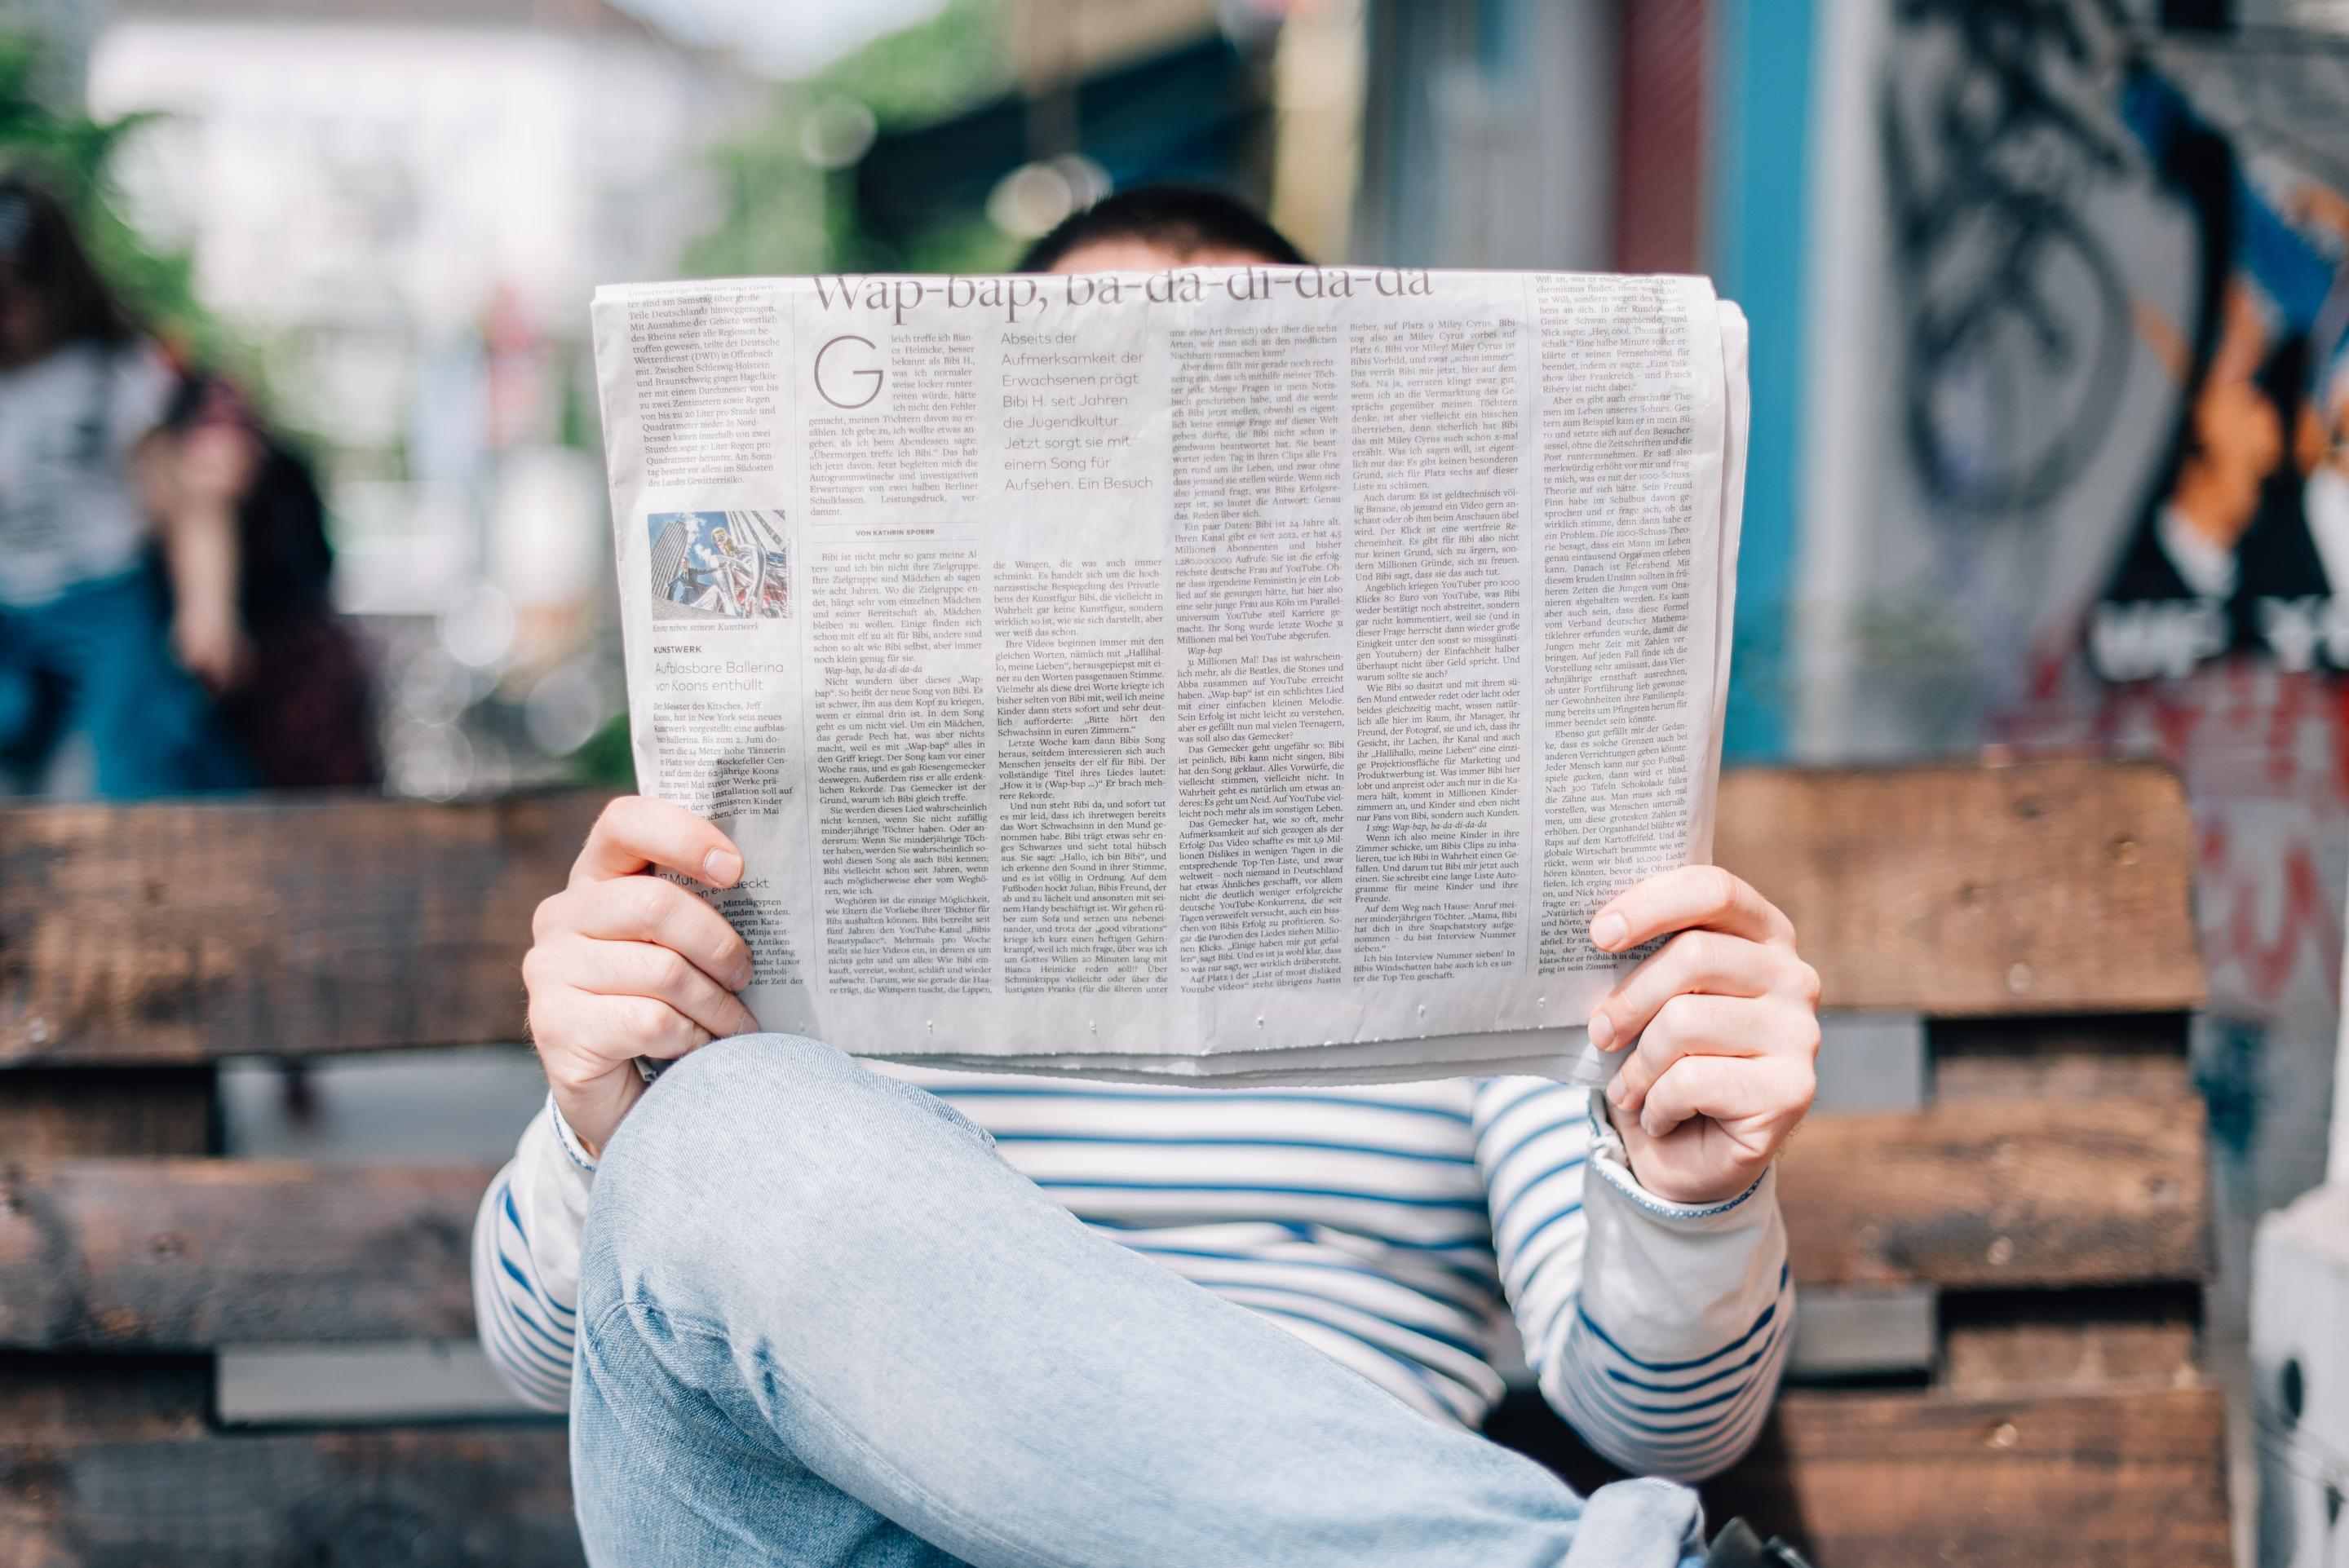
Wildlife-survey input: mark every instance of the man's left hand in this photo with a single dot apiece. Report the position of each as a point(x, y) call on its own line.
point(1723, 1019)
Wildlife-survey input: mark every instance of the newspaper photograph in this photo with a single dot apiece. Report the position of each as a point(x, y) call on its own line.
point(1244, 674)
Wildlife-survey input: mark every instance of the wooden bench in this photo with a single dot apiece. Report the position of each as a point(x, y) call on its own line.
point(2042, 1206)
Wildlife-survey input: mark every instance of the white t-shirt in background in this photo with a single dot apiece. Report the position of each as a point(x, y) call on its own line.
point(70, 512)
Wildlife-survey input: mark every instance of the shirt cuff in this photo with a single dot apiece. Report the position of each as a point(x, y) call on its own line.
point(581, 1159)
point(1613, 1163)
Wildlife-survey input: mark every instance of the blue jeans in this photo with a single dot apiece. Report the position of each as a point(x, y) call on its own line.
point(822, 1323)
point(97, 661)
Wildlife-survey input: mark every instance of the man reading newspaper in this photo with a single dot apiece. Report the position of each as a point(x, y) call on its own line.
point(804, 1308)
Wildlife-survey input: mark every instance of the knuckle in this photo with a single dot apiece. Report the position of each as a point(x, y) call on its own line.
point(732, 951)
point(1672, 1019)
point(1808, 1038)
point(645, 903)
point(645, 1021)
point(1704, 951)
point(1718, 888)
point(670, 971)
point(1806, 984)
point(558, 1053)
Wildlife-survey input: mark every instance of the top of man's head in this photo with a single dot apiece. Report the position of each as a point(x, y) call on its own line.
point(1176, 223)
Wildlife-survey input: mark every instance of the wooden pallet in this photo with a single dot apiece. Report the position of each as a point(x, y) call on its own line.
point(2049, 1195)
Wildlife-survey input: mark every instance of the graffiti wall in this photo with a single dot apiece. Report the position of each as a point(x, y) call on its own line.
point(2110, 467)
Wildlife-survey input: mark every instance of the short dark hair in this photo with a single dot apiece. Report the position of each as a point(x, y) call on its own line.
point(40, 252)
point(1182, 218)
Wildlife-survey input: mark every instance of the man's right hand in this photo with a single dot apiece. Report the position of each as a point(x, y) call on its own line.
point(623, 964)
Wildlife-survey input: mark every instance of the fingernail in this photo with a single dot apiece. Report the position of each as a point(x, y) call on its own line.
point(744, 974)
point(1615, 1094)
point(1647, 1125)
point(1608, 931)
point(721, 866)
point(1602, 1030)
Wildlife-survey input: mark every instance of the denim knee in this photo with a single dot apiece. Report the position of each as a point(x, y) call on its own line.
point(760, 1135)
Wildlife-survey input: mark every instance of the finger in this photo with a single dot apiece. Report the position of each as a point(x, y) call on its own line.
point(1708, 961)
point(644, 969)
point(1695, 1086)
point(1689, 1025)
point(582, 1038)
point(644, 1026)
point(636, 831)
point(1756, 1101)
point(650, 909)
point(1686, 898)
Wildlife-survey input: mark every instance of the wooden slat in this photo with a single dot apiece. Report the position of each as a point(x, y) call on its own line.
point(2005, 1342)
point(2087, 1480)
point(1858, 1480)
point(183, 933)
point(1999, 1192)
point(449, 1496)
point(71, 1113)
point(178, 933)
point(197, 1253)
point(2095, 1056)
point(2038, 887)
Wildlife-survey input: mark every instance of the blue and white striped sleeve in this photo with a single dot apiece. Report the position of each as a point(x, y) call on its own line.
point(1658, 1329)
point(526, 1261)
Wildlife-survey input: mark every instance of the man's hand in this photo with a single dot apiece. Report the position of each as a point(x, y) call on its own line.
point(1725, 1020)
point(623, 964)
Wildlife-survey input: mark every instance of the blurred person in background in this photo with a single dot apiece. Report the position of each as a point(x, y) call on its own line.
point(163, 561)
point(116, 612)
point(802, 1309)
point(297, 692)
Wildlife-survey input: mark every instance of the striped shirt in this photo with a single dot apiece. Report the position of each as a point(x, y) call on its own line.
point(1420, 1233)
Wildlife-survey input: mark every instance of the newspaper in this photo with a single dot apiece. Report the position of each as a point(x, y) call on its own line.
point(1252, 675)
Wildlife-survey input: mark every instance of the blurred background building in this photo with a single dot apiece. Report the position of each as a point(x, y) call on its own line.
point(2031, 282)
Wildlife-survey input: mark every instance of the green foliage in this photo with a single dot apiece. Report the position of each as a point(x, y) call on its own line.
point(780, 214)
point(928, 71)
point(72, 155)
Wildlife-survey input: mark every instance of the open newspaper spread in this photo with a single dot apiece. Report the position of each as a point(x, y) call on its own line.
point(1255, 675)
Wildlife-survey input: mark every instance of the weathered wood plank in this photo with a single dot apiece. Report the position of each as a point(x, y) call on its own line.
point(182, 932)
point(1880, 1479)
point(2088, 1481)
point(78, 1112)
point(2094, 1057)
point(2037, 887)
point(2005, 1342)
point(200, 1253)
point(494, 1496)
point(1996, 1192)
point(195, 1253)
